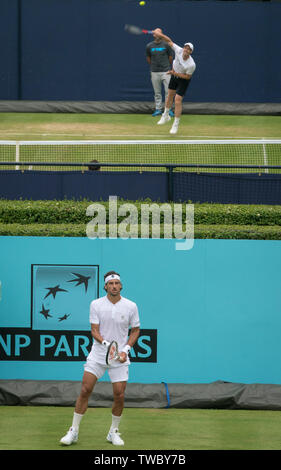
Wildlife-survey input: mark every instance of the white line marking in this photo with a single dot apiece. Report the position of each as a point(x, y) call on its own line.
point(132, 135)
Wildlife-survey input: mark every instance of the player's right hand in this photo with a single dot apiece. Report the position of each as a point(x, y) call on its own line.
point(157, 31)
point(122, 357)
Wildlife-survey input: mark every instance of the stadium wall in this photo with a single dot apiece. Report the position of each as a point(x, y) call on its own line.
point(77, 50)
point(225, 188)
point(208, 313)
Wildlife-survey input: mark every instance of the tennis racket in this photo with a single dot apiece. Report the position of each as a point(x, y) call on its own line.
point(112, 353)
point(136, 29)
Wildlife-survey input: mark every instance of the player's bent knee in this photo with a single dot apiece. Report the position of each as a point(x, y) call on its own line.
point(178, 99)
point(86, 390)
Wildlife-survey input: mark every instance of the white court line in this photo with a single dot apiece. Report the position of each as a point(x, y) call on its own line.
point(132, 135)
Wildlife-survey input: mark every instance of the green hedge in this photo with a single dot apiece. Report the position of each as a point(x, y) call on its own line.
point(250, 232)
point(72, 212)
point(69, 219)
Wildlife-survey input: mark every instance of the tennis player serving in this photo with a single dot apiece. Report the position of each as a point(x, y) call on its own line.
point(181, 73)
point(111, 317)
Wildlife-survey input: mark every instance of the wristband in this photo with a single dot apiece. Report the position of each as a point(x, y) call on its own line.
point(105, 343)
point(126, 349)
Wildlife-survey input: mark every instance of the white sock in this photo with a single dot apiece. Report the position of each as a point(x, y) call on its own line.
point(115, 422)
point(166, 111)
point(76, 420)
point(176, 121)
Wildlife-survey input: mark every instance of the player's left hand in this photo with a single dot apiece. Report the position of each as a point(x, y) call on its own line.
point(122, 357)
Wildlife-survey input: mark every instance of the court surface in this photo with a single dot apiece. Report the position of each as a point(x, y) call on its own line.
point(102, 127)
point(41, 427)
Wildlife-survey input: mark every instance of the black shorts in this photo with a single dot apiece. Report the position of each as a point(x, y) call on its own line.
point(179, 84)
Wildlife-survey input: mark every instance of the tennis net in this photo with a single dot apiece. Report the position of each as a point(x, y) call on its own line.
point(227, 153)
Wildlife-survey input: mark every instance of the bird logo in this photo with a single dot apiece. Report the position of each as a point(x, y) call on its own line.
point(54, 291)
point(80, 279)
point(62, 294)
point(45, 312)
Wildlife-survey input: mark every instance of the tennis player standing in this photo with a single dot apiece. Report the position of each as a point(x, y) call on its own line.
point(110, 316)
point(181, 73)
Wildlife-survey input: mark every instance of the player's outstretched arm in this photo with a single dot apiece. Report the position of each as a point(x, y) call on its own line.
point(160, 35)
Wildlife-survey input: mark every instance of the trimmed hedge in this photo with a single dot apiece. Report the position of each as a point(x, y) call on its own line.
point(73, 212)
point(68, 219)
point(238, 232)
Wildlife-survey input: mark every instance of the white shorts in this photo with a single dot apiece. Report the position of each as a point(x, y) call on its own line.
point(116, 374)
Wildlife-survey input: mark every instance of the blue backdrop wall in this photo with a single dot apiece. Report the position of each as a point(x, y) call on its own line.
point(78, 49)
point(209, 313)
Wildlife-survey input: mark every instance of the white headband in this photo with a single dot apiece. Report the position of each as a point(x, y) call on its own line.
point(111, 277)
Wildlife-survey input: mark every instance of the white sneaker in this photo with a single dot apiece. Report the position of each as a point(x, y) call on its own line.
point(164, 118)
point(114, 437)
point(174, 129)
point(70, 438)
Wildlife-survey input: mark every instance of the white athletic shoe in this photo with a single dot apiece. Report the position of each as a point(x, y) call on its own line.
point(70, 438)
point(114, 437)
point(174, 129)
point(164, 118)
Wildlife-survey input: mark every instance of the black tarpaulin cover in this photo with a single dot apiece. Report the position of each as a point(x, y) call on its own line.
point(219, 394)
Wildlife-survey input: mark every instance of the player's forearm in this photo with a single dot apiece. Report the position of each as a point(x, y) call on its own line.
point(134, 334)
point(185, 76)
point(96, 334)
point(166, 38)
point(160, 35)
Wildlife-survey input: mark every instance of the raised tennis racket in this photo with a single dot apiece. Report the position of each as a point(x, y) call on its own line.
point(112, 353)
point(136, 30)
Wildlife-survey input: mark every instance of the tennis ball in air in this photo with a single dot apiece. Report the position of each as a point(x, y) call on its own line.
point(142, 3)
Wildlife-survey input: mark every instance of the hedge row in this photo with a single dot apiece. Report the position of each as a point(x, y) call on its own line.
point(74, 212)
point(254, 232)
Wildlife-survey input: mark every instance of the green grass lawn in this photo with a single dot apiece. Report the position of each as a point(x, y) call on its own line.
point(48, 126)
point(31, 428)
point(60, 126)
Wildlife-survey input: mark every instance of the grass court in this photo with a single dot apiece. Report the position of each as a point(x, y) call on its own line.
point(108, 127)
point(61, 126)
point(41, 428)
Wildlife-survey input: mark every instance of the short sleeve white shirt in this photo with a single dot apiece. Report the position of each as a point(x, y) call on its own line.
point(114, 321)
point(180, 65)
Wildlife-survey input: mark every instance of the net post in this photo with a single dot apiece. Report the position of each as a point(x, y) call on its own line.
point(170, 183)
point(17, 154)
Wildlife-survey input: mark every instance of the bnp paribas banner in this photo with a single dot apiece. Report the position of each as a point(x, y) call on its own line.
point(208, 313)
point(59, 327)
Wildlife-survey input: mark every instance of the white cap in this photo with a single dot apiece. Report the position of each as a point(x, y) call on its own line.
point(190, 45)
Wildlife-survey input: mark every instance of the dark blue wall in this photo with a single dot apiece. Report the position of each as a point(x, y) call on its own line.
point(9, 73)
point(78, 49)
point(95, 186)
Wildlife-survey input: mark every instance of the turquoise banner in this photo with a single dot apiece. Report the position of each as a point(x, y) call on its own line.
point(212, 312)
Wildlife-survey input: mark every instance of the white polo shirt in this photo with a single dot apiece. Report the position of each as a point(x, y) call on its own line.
point(114, 321)
point(180, 65)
